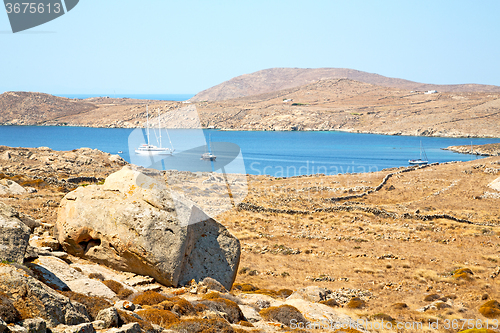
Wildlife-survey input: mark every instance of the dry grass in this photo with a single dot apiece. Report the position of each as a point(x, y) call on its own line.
point(149, 298)
point(92, 304)
point(283, 314)
point(163, 318)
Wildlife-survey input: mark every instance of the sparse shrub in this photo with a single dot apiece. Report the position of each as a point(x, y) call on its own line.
point(149, 298)
point(442, 305)
point(285, 292)
point(7, 310)
point(490, 309)
point(126, 318)
point(97, 276)
point(245, 323)
point(199, 308)
point(232, 309)
point(356, 303)
point(283, 314)
point(118, 288)
point(244, 270)
point(253, 272)
point(463, 274)
point(382, 316)
point(202, 325)
point(244, 287)
point(285, 274)
point(92, 304)
point(211, 295)
point(399, 306)
point(330, 302)
point(431, 297)
point(179, 305)
point(163, 318)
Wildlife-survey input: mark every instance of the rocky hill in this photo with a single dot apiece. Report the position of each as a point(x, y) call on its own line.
point(326, 104)
point(275, 79)
point(347, 105)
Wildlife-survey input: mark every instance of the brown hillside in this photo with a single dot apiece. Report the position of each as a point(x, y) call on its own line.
point(38, 108)
point(274, 79)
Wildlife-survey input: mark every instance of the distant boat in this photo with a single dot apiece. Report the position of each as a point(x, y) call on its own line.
point(208, 156)
point(120, 152)
point(423, 157)
point(148, 148)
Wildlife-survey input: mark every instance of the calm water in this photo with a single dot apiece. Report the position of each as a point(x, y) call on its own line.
point(272, 153)
point(159, 97)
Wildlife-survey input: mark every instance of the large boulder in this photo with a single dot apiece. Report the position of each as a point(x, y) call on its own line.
point(14, 235)
point(133, 223)
point(33, 299)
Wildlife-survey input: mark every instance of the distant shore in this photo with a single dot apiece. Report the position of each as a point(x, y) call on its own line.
point(491, 149)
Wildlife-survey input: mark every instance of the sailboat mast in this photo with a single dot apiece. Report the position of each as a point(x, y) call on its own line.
point(147, 123)
point(159, 125)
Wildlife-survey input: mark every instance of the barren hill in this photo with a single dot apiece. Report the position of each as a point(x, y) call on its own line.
point(274, 79)
point(347, 105)
point(37, 108)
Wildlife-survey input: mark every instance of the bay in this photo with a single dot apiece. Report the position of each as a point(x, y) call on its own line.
point(158, 97)
point(280, 154)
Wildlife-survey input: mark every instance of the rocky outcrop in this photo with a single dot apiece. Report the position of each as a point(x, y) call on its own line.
point(9, 187)
point(491, 149)
point(133, 223)
point(14, 235)
point(35, 299)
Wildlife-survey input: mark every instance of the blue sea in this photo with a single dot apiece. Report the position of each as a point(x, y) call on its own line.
point(280, 154)
point(158, 97)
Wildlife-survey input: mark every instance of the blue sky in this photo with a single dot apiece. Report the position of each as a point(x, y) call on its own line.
point(161, 47)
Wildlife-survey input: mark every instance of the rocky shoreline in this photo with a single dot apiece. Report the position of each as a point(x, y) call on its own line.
point(492, 149)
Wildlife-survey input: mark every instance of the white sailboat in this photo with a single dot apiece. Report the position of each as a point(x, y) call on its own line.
point(148, 148)
point(208, 156)
point(423, 157)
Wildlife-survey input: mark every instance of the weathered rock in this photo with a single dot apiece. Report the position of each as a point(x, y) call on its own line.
point(59, 274)
point(82, 328)
point(311, 294)
point(213, 284)
point(17, 329)
point(38, 300)
point(132, 223)
point(3, 326)
point(128, 328)
point(125, 305)
point(45, 241)
point(109, 316)
point(99, 324)
point(117, 159)
point(316, 312)
point(495, 184)
point(35, 325)
point(250, 313)
point(9, 187)
point(14, 235)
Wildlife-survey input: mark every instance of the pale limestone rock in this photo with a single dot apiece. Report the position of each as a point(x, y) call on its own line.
point(9, 187)
point(109, 316)
point(39, 299)
point(311, 294)
point(14, 235)
point(35, 325)
point(59, 273)
point(132, 223)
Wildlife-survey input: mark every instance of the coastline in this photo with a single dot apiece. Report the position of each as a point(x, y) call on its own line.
point(353, 131)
